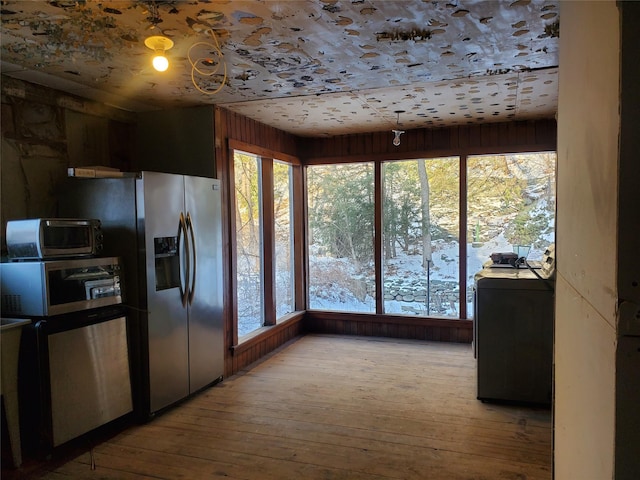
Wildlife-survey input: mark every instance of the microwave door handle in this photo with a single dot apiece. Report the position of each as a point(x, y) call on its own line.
point(192, 288)
point(68, 223)
point(183, 259)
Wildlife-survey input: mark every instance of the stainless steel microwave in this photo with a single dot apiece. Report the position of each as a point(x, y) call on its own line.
point(53, 287)
point(48, 238)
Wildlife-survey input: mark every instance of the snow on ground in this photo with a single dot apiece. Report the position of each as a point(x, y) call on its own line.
point(328, 294)
point(408, 267)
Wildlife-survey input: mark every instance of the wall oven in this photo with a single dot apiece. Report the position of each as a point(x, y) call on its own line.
point(74, 368)
point(54, 287)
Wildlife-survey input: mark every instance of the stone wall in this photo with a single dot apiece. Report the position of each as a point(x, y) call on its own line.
point(444, 296)
point(43, 133)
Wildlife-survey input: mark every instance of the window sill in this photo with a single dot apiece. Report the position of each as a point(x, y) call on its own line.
point(251, 339)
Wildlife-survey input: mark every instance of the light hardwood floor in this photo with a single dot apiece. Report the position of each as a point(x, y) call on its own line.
point(333, 407)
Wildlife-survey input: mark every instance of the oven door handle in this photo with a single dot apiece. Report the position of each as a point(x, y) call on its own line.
point(184, 259)
point(192, 287)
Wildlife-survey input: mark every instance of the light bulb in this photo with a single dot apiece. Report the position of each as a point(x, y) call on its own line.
point(396, 139)
point(397, 133)
point(159, 45)
point(160, 62)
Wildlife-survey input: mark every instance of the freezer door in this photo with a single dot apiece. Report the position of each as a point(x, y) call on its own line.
point(206, 342)
point(161, 204)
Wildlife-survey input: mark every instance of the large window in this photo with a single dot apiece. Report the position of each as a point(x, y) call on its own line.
point(249, 258)
point(511, 201)
point(420, 240)
point(264, 256)
point(283, 219)
point(421, 208)
point(340, 237)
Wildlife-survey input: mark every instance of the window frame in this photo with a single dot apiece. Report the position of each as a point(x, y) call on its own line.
point(456, 161)
point(374, 239)
point(299, 189)
point(266, 158)
point(291, 246)
point(261, 250)
point(378, 161)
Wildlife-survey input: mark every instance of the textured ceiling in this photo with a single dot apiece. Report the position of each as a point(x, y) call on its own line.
point(314, 68)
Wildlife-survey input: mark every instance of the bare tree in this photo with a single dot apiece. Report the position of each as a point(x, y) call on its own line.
point(426, 219)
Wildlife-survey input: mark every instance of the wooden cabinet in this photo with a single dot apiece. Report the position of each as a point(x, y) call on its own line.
point(177, 141)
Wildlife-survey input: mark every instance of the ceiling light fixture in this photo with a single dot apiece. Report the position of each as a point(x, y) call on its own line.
point(159, 45)
point(397, 133)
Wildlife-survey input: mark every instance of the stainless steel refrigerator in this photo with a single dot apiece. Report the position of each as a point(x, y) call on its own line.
point(167, 230)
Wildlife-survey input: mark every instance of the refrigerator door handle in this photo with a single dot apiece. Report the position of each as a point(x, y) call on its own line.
point(192, 288)
point(184, 265)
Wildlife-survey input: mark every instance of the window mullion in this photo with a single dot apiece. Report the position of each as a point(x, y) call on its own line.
point(268, 242)
point(300, 214)
point(299, 239)
point(377, 238)
point(462, 232)
point(234, 252)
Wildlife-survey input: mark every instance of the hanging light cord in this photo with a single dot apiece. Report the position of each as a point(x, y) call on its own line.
point(217, 51)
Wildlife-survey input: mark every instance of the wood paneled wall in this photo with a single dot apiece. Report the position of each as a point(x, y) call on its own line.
point(243, 129)
point(511, 137)
point(460, 331)
point(265, 341)
point(269, 142)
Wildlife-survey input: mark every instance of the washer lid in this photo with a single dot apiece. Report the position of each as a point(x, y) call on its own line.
point(511, 278)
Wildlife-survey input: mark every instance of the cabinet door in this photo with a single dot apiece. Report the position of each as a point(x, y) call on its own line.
point(186, 134)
